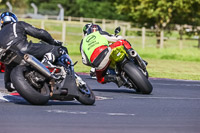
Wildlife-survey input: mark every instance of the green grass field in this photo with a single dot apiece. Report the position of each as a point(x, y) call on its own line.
point(160, 68)
point(170, 62)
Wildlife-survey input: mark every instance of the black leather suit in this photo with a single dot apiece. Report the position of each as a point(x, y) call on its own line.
point(14, 37)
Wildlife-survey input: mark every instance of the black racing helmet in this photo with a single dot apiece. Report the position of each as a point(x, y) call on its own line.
point(8, 17)
point(90, 28)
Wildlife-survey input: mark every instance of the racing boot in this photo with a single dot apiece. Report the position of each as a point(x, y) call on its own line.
point(92, 73)
point(113, 78)
point(145, 62)
point(9, 86)
point(7, 81)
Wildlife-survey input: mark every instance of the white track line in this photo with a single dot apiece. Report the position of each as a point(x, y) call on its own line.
point(174, 98)
point(2, 97)
point(177, 84)
point(86, 113)
point(10, 98)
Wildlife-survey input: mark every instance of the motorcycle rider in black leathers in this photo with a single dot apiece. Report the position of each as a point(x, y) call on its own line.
point(13, 35)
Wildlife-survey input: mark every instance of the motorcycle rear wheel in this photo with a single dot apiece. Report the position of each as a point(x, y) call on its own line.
point(138, 78)
point(26, 90)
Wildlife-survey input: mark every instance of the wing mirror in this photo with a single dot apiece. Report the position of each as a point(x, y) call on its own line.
point(117, 30)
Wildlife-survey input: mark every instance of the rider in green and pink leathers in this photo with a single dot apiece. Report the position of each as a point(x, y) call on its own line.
point(96, 49)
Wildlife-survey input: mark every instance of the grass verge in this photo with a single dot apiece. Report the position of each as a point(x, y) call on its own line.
point(158, 68)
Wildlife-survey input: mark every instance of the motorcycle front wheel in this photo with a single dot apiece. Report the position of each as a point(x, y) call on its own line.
point(85, 93)
point(86, 98)
point(26, 90)
point(137, 78)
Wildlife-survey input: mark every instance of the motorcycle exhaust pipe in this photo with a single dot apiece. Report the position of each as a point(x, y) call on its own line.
point(135, 55)
point(37, 65)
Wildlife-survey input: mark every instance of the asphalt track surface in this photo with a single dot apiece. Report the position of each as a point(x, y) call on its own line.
point(173, 107)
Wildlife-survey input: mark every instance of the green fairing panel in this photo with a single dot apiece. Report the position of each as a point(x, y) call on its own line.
point(92, 41)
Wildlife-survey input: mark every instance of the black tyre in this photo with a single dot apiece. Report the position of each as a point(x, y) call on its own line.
point(27, 91)
point(137, 78)
point(86, 95)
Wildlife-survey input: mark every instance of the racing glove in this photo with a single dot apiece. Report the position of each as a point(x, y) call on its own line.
point(57, 43)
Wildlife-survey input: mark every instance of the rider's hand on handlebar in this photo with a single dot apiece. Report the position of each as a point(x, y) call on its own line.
point(57, 43)
point(119, 37)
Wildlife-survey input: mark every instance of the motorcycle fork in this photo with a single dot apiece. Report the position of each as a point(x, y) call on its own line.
point(120, 65)
point(121, 73)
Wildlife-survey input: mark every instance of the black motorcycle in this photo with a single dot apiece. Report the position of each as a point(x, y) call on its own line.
point(39, 83)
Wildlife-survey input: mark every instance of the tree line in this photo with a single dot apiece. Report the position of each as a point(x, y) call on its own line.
point(77, 8)
point(158, 14)
point(162, 14)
